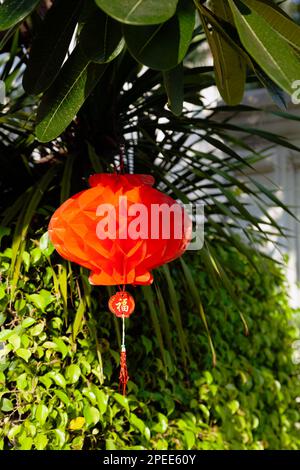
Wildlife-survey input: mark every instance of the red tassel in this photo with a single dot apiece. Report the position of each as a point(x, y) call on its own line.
point(123, 377)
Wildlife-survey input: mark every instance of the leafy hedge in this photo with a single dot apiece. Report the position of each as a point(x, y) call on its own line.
point(51, 390)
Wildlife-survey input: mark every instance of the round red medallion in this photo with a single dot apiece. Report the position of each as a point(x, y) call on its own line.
point(121, 304)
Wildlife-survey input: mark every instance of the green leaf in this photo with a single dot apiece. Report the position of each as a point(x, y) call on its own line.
point(37, 329)
point(66, 95)
point(73, 373)
point(101, 38)
point(139, 425)
point(2, 318)
point(6, 405)
point(52, 42)
point(24, 354)
point(13, 11)
point(229, 65)
point(164, 46)
point(5, 334)
point(102, 399)
point(278, 19)
point(173, 82)
point(123, 402)
point(46, 246)
point(28, 322)
point(77, 325)
point(91, 415)
point(26, 443)
point(110, 445)
point(15, 341)
point(61, 347)
point(189, 438)
point(233, 406)
point(62, 396)
point(40, 441)
point(2, 292)
point(57, 378)
point(22, 381)
point(60, 437)
point(41, 413)
point(278, 60)
point(139, 12)
point(41, 300)
point(162, 424)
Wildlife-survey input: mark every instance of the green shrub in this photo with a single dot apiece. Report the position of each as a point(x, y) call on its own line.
point(60, 392)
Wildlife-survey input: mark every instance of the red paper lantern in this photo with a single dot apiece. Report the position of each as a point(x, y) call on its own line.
point(120, 229)
point(117, 258)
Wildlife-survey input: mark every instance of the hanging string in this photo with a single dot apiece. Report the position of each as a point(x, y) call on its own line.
point(123, 377)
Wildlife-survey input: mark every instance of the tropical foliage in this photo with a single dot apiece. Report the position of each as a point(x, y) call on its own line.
point(104, 76)
point(61, 393)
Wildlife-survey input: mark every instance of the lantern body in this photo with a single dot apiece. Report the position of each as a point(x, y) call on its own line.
point(113, 229)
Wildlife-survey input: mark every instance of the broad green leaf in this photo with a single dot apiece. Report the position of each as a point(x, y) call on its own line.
point(40, 441)
point(91, 415)
point(66, 95)
point(164, 46)
point(50, 46)
point(13, 11)
point(46, 246)
point(162, 424)
point(101, 38)
point(26, 443)
point(22, 381)
point(41, 300)
point(230, 67)
point(110, 444)
point(173, 81)
point(5, 334)
point(24, 354)
point(123, 402)
point(139, 425)
point(139, 12)
point(102, 399)
point(57, 378)
point(62, 396)
point(27, 322)
point(37, 329)
point(189, 438)
point(233, 406)
point(61, 347)
point(6, 405)
point(60, 437)
point(274, 55)
point(73, 373)
point(278, 19)
point(41, 413)
point(15, 341)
